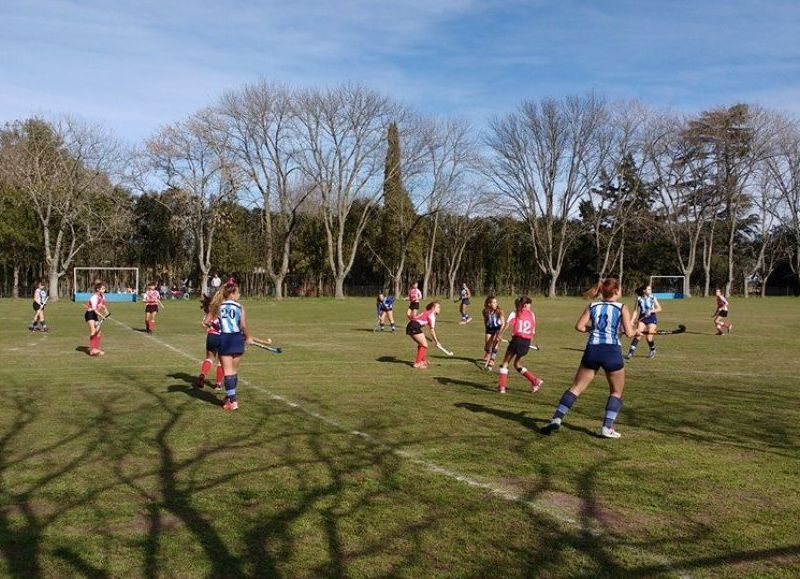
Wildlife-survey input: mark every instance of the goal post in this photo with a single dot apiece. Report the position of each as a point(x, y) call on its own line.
point(122, 283)
point(668, 287)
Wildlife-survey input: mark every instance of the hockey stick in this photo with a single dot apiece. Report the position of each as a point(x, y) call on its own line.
point(443, 349)
point(264, 345)
point(679, 330)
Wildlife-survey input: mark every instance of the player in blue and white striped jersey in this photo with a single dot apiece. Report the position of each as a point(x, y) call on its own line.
point(39, 301)
point(647, 307)
point(603, 320)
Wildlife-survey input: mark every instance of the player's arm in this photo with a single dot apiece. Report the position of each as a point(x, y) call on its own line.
point(583, 325)
point(248, 339)
point(627, 324)
point(434, 336)
point(656, 306)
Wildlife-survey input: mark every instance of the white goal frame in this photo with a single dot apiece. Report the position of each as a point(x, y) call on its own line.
point(90, 290)
point(671, 294)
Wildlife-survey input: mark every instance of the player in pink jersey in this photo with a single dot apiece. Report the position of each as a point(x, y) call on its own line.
point(152, 300)
point(414, 297)
point(212, 347)
point(522, 322)
point(721, 313)
point(414, 329)
point(96, 311)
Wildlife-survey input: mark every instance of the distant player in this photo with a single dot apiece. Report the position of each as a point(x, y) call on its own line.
point(721, 313)
point(152, 300)
point(522, 322)
point(647, 307)
point(464, 296)
point(96, 311)
point(414, 297)
point(39, 301)
point(415, 330)
point(383, 307)
point(493, 320)
point(232, 337)
point(603, 320)
point(212, 347)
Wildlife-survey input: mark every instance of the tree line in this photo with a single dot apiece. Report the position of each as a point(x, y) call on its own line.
point(322, 191)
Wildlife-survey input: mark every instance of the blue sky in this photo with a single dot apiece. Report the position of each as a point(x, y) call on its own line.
point(135, 65)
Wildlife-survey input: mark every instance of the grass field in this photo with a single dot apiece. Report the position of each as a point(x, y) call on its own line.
point(345, 461)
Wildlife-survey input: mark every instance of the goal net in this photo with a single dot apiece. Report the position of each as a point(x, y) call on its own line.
point(667, 287)
point(122, 283)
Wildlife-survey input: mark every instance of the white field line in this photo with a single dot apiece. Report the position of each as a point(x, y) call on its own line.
point(427, 465)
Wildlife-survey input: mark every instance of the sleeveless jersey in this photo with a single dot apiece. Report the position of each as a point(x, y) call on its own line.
point(414, 295)
point(605, 319)
point(426, 318)
point(230, 317)
point(41, 294)
point(722, 303)
point(464, 293)
point(523, 325)
point(96, 302)
point(493, 319)
point(646, 305)
point(151, 297)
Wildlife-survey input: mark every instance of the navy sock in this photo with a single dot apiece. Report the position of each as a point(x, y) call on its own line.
point(613, 407)
point(653, 345)
point(230, 386)
point(566, 402)
point(634, 343)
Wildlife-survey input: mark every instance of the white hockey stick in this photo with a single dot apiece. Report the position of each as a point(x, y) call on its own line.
point(443, 349)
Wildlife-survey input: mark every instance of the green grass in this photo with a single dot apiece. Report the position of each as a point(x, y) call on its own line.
point(345, 461)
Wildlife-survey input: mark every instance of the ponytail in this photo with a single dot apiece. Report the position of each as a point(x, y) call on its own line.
point(223, 293)
point(606, 288)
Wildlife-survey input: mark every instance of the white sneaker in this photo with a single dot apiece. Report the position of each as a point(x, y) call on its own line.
point(606, 432)
point(553, 426)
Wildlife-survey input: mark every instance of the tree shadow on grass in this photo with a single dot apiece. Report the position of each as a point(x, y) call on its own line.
point(189, 388)
point(534, 424)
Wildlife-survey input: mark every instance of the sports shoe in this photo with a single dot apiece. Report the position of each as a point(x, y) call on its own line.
point(420, 365)
point(651, 354)
point(629, 355)
point(501, 390)
point(536, 384)
point(607, 432)
point(230, 404)
point(217, 386)
point(200, 382)
point(553, 426)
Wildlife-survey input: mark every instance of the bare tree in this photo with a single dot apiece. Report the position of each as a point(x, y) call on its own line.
point(64, 169)
point(343, 151)
point(193, 158)
point(547, 155)
point(262, 128)
point(459, 227)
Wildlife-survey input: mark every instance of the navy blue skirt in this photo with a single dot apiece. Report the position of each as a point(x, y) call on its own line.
point(231, 344)
point(212, 343)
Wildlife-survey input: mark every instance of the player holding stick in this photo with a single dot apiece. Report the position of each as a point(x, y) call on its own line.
point(465, 296)
point(522, 322)
point(212, 347)
point(647, 307)
point(494, 321)
point(96, 311)
point(383, 307)
point(39, 301)
point(603, 320)
point(721, 313)
point(415, 331)
point(232, 338)
point(152, 300)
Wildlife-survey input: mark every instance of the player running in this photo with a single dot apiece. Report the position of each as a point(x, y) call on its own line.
point(647, 307)
point(152, 300)
point(522, 322)
point(39, 301)
point(232, 338)
point(414, 297)
point(414, 329)
point(96, 312)
point(721, 313)
point(494, 321)
point(212, 347)
point(383, 308)
point(603, 320)
point(465, 296)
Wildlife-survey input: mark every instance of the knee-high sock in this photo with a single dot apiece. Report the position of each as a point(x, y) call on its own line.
point(92, 342)
point(206, 366)
point(230, 386)
point(420, 353)
point(652, 343)
point(613, 406)
point(634, 343)
point(566, 402)
point(220, 374)
point(503, 379)
point(528, 375)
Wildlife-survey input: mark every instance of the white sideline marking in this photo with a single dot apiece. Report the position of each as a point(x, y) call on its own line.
point(426, 464)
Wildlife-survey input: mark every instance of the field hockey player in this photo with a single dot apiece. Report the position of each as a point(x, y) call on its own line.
point(721, 313)
point(232, 338)
point(414, 329)
point(96, 311)
point(647, 307)
point(39, 301)
point(212, 347)
point(465, 296)
point(493, 320)
point(383, 307)
point(152, 301)
point(522, 322)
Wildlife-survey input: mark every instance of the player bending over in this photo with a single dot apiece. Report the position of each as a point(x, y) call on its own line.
point(647, 307)
point(522, 322)
point(383, 308)
point(603, 320)
point(415, 331)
